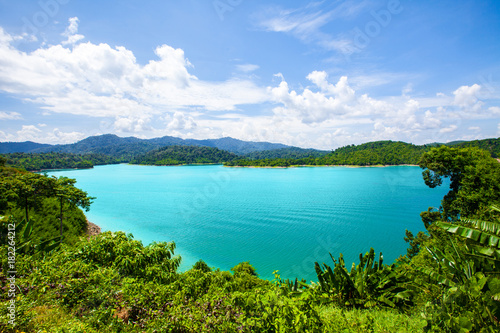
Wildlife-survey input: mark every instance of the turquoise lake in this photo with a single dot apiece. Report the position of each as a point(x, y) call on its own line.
point(278, 219)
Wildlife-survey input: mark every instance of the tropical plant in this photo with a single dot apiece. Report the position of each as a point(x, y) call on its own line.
point(368, 284)
point(467, 272)
point(19, 235)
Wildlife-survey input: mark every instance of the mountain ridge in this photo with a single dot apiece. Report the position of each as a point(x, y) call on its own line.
point(113, 145)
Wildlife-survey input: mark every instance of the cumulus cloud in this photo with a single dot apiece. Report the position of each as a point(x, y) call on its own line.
point(327, 102)
point(179, 122)
point(101, 81)
point(466, 98)
point(29, 132)
point(34, 133)
point(314, 107)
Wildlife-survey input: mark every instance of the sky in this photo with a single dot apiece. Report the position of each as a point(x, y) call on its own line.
point(312, 74)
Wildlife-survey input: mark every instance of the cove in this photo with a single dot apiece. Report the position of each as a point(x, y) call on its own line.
point(278, 219)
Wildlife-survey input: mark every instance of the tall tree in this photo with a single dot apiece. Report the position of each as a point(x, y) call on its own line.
point(27, 189)
point(63, 188)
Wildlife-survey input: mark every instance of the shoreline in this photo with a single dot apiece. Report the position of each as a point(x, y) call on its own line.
point(315, 166)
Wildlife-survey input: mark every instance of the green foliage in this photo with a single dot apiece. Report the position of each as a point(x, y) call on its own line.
point(338, 319)
point(47, 161)
point(201, 266)
point(285, 153)
point(449, 281)
point(372, 153)
point(244, 268)
point(129, 257)
point(176, 155)
point(20, 236)
point(490, 145)
point(474, 179)
point(53, 203)
point(415, 243)
point(370, 283)
point(469, 292)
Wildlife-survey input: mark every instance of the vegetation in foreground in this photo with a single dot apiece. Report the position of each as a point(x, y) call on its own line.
point(448, 282)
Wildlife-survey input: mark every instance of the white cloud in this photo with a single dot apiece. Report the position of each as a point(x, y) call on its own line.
point(10, 115)
point(71, 32)
point(247, 68)
point(305, 23)
point(179, 122)
point(101, 81)
point(29, 133)
point(133, 124)
point(34, 133)
point(314, 107)
point(495, 110)
point(466, 98)
point(448, 129)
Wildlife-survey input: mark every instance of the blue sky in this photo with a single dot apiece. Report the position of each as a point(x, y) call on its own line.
point(319, 74)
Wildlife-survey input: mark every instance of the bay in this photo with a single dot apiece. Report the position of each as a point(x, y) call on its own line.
point(278, 219)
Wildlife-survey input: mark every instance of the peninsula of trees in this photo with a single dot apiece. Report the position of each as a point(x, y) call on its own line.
point(177, 155)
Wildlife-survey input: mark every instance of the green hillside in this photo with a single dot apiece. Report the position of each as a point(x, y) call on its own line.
point(45, 161)
point(372, 153)
point(292, 152)
point(177, 155)
point(491, 145)
point(128, 148)
point(375, 153)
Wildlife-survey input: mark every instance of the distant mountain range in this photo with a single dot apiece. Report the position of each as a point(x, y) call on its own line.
point(118, 149)
point(20, 147)
point(109, 149)
point(129, 147)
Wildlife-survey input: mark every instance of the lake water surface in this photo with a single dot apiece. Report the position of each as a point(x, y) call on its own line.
point(278, 219)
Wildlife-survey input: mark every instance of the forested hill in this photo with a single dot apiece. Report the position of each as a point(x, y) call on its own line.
point(372, 153)
point(45, 161)
point(177, 155)
point(291, 152)
point(490, 145)
point(130, 147)
point(375, 153)
point(20, 147)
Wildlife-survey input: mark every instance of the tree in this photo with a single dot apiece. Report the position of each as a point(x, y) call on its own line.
point(474, 179)
point(27, 190)
point(64, 189)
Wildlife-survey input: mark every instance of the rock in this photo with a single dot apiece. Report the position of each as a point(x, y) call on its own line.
point(92, 229)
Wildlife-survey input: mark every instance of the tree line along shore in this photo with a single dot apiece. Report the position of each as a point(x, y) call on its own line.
point(379, 153)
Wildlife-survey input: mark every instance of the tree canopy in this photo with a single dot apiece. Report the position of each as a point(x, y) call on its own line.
point(474, 179)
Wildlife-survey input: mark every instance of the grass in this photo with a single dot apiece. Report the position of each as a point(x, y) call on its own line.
point(377, 321)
